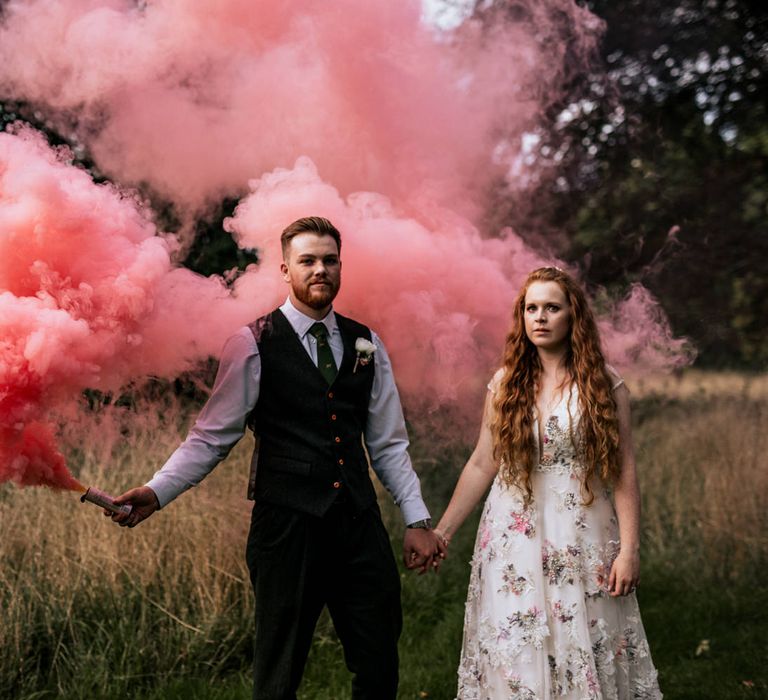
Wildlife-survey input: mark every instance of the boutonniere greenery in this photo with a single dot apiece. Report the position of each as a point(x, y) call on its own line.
point(365, 349)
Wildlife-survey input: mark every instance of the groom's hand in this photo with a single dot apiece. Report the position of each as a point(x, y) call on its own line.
point(143, 501)
point(423, 550)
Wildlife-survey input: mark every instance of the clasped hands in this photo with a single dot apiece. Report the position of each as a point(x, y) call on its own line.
point(424, 550)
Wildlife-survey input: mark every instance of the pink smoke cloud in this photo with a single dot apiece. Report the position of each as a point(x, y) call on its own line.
point(439, 294)
point(88, 298)
point(196, 98)
point(637, 335)
point(355, 111)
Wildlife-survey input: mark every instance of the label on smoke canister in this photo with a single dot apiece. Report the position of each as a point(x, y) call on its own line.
point(100, 498)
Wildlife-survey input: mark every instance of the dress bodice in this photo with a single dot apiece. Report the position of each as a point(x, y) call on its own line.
point(557, 438)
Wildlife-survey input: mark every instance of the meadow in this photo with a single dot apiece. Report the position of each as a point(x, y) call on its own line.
point(164, 611)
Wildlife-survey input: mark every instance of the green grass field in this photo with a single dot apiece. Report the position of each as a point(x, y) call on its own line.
point(92, 611)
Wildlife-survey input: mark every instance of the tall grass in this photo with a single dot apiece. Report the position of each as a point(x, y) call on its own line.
point(90, 610)
point(704, 469)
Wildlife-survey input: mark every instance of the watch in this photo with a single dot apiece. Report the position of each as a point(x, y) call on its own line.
point(425, 524)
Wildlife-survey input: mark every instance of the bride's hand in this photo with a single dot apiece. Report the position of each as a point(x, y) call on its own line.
point(625, 574)
point(442, 537)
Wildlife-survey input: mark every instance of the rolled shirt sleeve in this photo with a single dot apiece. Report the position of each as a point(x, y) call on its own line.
point(387, 440)
point(221, 422)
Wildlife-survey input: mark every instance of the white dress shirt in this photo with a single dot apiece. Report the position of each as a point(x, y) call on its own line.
point(221, 423)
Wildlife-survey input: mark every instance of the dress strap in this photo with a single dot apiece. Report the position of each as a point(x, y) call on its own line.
point(493, 385)
point(616, 379)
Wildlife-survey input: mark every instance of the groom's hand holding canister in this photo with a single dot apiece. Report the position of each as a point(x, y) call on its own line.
point(143, 501)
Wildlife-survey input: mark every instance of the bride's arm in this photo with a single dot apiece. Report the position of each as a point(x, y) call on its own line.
point(625, 572)
point(477, 475)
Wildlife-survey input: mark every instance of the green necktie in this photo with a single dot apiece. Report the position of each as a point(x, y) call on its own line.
point(325, 362)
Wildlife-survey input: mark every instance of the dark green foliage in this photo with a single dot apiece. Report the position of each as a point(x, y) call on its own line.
point(213, 251)
point(659, 168)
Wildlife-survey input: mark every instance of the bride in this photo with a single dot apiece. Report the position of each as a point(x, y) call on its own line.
point(551, 609)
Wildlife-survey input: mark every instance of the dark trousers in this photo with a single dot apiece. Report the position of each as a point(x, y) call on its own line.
point(300, 563)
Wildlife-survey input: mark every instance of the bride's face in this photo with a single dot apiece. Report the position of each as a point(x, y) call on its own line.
point(547, 316)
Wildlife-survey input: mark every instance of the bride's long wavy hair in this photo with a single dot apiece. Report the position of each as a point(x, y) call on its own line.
point(597, 437)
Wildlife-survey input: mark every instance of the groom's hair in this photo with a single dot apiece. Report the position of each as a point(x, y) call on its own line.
point(309, 224)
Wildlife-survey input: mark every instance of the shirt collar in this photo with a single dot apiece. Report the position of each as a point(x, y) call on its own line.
point(301, 323)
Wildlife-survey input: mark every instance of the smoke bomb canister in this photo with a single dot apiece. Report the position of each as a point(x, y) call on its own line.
point(102, 499)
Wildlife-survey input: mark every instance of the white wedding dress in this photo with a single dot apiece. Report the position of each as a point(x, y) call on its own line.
point(539, 623)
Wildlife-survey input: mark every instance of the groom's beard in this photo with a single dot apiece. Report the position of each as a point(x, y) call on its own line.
point(315, 295)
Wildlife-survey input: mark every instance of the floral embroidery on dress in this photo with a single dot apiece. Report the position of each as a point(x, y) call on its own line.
point(561, 565)
point(563, 612)
point(521, 692)
point(630, 645)
point(557, 447)
point(523, 522)
point(523, 628)
point(513, 582)
point(573, 503)
point(485, 536)
point(602, 651)
point(575, 672)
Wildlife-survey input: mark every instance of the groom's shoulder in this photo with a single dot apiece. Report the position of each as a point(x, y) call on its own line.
point(265, 326)
point(350, 326)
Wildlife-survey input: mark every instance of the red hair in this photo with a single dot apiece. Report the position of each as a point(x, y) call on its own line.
point(597, 438)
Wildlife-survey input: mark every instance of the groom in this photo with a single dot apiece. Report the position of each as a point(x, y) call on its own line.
point(319, 409)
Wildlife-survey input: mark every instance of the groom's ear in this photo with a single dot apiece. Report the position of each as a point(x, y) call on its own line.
point(284, 271)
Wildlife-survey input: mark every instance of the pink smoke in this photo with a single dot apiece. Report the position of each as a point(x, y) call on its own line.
point(355, 111)
point(88, 298)
point(636, 335)
point(195, 98)
point(439, 294)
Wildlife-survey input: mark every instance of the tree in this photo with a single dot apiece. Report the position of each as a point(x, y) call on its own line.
point(657, 163)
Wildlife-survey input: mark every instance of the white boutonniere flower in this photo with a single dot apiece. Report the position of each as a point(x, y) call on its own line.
point(365, 349)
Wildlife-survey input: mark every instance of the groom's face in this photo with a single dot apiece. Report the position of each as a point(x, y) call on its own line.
point(313, 269)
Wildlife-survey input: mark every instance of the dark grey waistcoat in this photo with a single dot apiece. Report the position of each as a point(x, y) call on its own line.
point(309, 436)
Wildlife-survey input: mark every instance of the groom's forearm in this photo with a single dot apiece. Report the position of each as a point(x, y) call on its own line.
point(221, 422)
point(192, 461)
point(386, 440)
point(393, 467)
